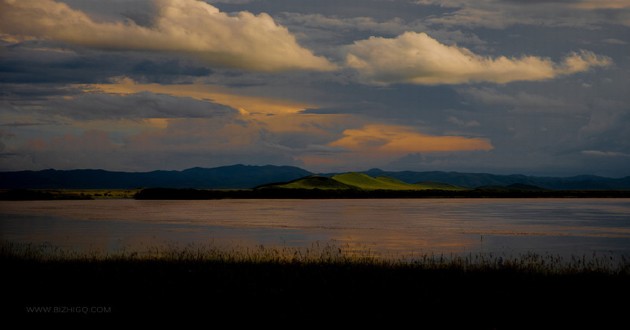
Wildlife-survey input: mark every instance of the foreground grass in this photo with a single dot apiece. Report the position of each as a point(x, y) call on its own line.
point(321, 284)
point(328, 255)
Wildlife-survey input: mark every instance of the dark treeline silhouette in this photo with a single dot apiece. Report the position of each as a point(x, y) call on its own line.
point(34, 195)
point(280, 193)
point(269, 193)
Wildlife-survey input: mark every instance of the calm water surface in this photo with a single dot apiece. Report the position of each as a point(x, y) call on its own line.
point(388, 226)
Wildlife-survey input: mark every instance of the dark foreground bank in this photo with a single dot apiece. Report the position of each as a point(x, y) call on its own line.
point(493, 294)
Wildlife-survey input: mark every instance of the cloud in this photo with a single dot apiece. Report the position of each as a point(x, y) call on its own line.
point(389, 140)
point(462, 123)
point(603, 4)
point(417, 58)
point(181, 143)
point(142, 105)
point(391, 26)
point(499, 14)
point(600, 153)
point(522, 101)
point(243, 41)
point(46, 61)
point(377, 144)
point(249, 105)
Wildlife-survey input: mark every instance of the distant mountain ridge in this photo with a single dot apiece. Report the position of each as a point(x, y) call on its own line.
point(224, 177)
point(249, 176)
point(475, 180)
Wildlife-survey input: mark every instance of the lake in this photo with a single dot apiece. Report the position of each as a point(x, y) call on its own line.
point(389, 227)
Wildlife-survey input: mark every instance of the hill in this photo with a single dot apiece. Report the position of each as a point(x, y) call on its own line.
point(475, 180)
point(225, 177)
point(357, 181)
point(366, 182)
point(309, 182)
point(247, 177)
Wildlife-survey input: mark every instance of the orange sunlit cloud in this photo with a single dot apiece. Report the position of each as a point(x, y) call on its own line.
point(603, 4)
point(251, 105)
point(400, 140)
point(276, 115)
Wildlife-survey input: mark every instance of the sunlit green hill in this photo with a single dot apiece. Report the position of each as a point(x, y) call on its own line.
point(358, 181)
point(311, 182)
point(439, 186)
point(366, 182)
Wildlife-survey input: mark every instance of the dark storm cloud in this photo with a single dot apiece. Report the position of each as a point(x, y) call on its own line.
point(98, 106)
point(157, 71)
point(19, 92)
point(140, 12)
point(50, 62)
point(399, 101)
point(377, 9)
point(501, 14)
point(538, 2)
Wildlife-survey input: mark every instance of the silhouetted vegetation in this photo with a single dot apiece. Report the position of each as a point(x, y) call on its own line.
point(273, 192)
point(321, 284)
point(29, 194)
point(67, 194)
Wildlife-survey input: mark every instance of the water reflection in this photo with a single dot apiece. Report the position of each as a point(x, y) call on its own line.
point(399, 227)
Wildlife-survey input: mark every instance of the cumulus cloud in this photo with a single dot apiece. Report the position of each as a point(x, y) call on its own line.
point(243, 40)
point(419, 59)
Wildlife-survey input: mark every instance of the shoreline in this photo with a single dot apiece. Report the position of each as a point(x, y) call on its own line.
point(268, 193)
point(192, 194)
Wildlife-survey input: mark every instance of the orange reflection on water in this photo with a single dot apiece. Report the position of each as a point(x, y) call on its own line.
point(381, 226)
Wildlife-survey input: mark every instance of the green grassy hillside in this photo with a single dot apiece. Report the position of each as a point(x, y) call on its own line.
point(358, 181)
point(312, 182)
point(439, 186)
point(366, 182)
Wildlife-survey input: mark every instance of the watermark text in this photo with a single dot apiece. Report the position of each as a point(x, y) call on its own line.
point(69, 309)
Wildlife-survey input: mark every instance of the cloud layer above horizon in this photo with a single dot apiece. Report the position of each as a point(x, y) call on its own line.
point(495, 85)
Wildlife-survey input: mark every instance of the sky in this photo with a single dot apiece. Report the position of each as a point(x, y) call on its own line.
point(536, 87)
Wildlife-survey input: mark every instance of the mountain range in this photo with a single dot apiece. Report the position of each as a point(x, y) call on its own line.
point(247, 176)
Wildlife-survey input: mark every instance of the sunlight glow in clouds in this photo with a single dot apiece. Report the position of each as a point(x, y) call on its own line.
point(603, 4)
point(173, 84)
point(400, 140)
point(419, 59)
point(246, 105)
point(245, 41)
